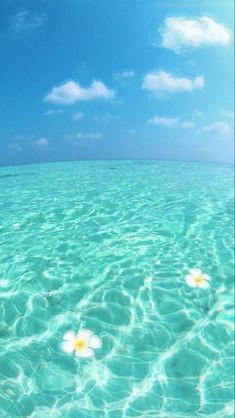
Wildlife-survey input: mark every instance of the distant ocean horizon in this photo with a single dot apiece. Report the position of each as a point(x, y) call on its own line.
point(118, 159)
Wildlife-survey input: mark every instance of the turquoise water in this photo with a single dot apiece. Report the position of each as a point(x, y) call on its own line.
point(106, 246)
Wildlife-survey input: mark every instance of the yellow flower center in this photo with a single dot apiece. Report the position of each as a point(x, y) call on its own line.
point(80, 344)
point(199, 279)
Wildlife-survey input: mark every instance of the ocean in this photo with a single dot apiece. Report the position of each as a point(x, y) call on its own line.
point(113, 247)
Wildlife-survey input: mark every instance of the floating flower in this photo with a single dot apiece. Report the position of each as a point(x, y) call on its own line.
point(83, 343)
point(196, 278)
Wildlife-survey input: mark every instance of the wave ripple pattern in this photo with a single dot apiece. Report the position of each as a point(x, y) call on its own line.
point(106, 246)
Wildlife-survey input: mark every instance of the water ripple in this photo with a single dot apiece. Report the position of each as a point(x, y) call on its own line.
point(83, 249)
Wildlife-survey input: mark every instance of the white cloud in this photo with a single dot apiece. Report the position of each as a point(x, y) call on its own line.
point(72, 92)
point(179, 33)
point(78, 116)
point(125, 74)
point(218, 128)
point(25, 21)
point(171, 122)
point(162, 81)
point(85, 135)
point(103, 118)
point(161, 120)
point(52, 112)
point(41, 142)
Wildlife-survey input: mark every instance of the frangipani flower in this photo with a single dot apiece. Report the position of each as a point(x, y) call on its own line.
point(83, 343)
point(196, 278)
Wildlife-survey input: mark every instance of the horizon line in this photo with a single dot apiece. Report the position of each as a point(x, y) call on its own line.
point(118, 159)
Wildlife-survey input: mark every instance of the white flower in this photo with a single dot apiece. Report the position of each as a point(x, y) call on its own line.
point(196, 278)
point(82, 343)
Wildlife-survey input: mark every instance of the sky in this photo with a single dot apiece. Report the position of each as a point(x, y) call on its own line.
point(107, 79)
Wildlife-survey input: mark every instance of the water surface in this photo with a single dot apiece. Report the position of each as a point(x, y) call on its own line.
point(106, 246)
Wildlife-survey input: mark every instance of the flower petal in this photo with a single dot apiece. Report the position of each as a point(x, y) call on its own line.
point(87, 352)
point(190, 281)
point(195, 272)
point(69, 336)
point(84, 333)
point(94, 342)
point(206, 276)
point(67, 346)
point(204, 285)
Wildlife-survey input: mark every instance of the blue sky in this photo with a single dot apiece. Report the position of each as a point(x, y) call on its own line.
point(106, 79)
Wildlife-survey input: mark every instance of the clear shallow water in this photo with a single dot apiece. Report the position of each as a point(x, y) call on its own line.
point(77, 242)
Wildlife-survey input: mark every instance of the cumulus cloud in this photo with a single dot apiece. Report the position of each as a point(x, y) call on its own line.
point(41, 142)
point(72, 92)
point(25, 21)
point(161, 120)
point(85, 135)
point(171, 122)
point(181, 33)
point(218, 128)
point(162, 81)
